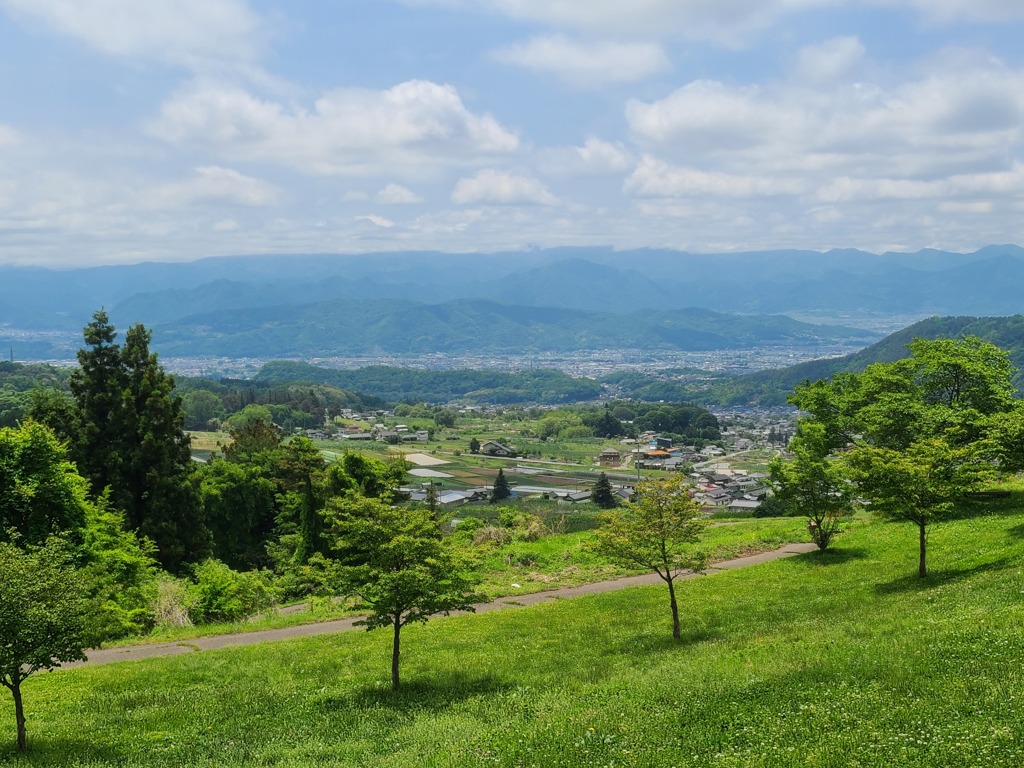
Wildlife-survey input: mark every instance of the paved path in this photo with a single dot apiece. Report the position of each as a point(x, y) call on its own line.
point(133, 652)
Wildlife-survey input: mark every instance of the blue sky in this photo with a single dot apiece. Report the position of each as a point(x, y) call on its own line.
point(177, 129)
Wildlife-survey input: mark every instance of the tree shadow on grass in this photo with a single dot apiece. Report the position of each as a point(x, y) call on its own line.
point(649, 642)
point(45, 750)
point(914, 583)
point(417, 693)
point(832, 556)
point(1017, 532)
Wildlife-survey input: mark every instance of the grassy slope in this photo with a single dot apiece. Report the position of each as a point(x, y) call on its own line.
point(842, 660)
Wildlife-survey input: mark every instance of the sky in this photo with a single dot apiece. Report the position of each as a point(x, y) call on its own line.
point(177, 129)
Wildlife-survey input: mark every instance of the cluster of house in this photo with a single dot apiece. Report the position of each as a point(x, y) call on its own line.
point(734, 489)
point(654, 452)
point(400, 433)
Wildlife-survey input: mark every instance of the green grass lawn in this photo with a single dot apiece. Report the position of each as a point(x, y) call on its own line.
point(835, 660)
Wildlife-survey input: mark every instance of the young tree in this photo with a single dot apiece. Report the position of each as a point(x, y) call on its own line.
point(42, 617)
point(656, 531)
point(812, 484)
point(397, 565)
point(602, 494)
point(431, 499)
point(501, 491)
point(921, 484)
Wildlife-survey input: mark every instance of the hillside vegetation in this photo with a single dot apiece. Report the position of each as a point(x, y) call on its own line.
point(837, 658)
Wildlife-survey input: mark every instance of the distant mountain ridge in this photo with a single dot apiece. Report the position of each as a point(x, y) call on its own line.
point(771, 387)
point(777, 282)
point(473, 326)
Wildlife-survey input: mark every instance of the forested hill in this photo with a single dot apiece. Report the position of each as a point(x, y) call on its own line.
point(417, 386)
point(473, 327)
point(771, 387)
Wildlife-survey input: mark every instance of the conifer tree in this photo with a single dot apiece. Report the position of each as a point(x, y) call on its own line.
point(602, 494)
point(501, 491)
point(131, 439)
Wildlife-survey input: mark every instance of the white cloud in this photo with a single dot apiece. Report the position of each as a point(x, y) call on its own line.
point(412, 127)
point(378, 221)
point(965, 117)
point(946, 11)
point(831, 60)
point(603, 156)
point(186, 32)
point(8, 136)
point(396, 194)
point(727, 21)
point(214, 184)
point(587, 64)
point(491, 187)
point(654, 178)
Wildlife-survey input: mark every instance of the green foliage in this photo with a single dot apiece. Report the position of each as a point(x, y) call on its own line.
point(42, 616)
point(396, 564)
point(222, 594)
point(656, 531)
point(240, 509)
point(405, 384)
point(501, 490)
point(474, 445)
point(602, 494)
point(119, 576)
point(922, 429)
point(812, 484)
point(41, 492)
point(901, 673)
point(131, 439)
point(920, 484)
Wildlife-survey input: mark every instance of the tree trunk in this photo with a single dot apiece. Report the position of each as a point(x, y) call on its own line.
point(19, 715)
point(922, 568)
point(675, 608)
point(395, 652)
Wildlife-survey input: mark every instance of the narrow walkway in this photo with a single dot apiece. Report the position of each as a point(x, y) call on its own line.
point(134, 652)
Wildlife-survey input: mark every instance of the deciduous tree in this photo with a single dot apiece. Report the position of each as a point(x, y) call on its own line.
point(921, 484)
point(396, 564)
point(41, 492)
point(813, 484)
point(658, 531)
point(42, 617)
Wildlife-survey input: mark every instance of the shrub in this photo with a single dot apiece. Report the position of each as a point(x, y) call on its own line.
point(171, 603)
point(222, 594)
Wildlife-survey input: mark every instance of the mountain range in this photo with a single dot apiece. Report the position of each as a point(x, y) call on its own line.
point(545, 300)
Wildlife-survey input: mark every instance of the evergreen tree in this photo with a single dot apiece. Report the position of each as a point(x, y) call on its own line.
point(131, 439)
point(501, 491)
point(474, 445)
point(602, 494)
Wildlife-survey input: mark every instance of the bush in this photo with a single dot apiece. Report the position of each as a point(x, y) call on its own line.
point(222, 594)
point(171, 603)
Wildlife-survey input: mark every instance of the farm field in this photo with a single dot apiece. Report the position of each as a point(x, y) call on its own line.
point(841, 658)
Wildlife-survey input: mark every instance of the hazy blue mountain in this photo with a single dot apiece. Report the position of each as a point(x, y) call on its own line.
point(471, 326)
point(585, 278)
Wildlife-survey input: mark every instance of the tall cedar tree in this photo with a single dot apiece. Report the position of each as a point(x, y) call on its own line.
point(501, 491)
point(602, 494)
point(131, 438)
